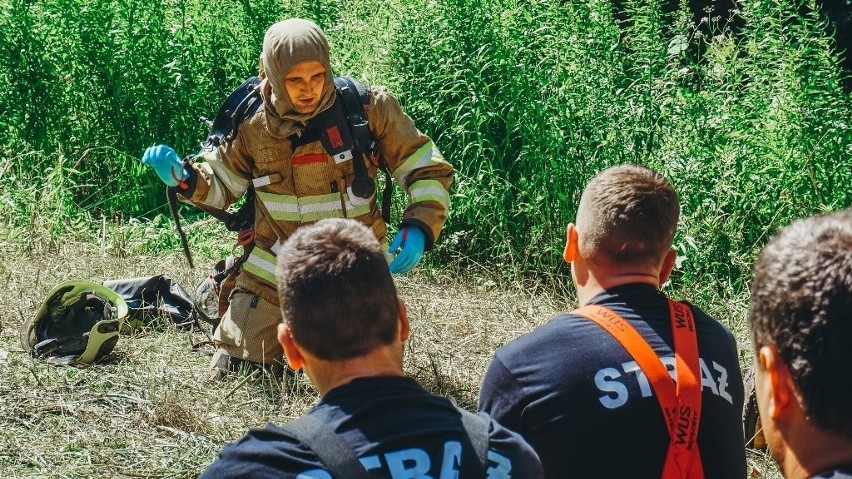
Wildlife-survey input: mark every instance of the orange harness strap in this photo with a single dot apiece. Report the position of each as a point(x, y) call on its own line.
point(680, 403)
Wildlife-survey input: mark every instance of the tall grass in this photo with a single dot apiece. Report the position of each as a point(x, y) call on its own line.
point(531, 98)
point(528, 99)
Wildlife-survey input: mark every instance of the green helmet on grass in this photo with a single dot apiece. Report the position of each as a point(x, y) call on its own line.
point(77, 323)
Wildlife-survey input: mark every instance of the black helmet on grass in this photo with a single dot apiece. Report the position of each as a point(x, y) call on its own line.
point(77, 323)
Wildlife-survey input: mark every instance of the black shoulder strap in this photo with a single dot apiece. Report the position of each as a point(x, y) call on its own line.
point(355, 95)
point(340, 460)
point(364, 138)
point(336, 456)
point(362, 185)
point(240, 105)
point(476, 426)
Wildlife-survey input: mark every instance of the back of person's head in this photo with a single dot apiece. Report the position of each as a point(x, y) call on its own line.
point(337, 294)
point(801, 303)
point(627, 216)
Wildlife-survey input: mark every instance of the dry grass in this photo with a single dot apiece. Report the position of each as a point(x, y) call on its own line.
point(148, 411)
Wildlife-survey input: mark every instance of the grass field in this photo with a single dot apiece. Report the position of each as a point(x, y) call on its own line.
point(147, 411)
point(526, 99)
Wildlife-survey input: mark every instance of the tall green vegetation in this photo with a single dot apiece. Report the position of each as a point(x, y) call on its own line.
point(531, 98)
point(528, 99)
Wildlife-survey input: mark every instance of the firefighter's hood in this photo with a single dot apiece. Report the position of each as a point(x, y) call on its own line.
point(286, 44)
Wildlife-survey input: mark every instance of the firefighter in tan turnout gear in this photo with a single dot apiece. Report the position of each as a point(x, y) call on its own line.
point(297, 181)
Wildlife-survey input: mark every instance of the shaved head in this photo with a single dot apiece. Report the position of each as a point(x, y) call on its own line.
point(627, 216)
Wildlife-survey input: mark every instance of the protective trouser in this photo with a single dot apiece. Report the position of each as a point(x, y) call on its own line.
point(248, 333)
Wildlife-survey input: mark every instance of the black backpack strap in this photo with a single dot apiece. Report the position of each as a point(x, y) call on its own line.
point(335, 455)
point(362, 185)
point(364, 138)
point(476, 426)
point(355, 95)
point(340, 460)
point(239, 106)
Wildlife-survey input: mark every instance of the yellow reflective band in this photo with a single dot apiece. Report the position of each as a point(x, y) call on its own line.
point(355, 205)
point(215, 197)
point(426, 155)
point(233, 182)
point(353, 211)
point(429, 190)
point(280, 207)
point(261, 263)
point(315, 208)
point(305, 209)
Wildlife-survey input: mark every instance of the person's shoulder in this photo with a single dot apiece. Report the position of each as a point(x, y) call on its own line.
point(260, 452)
point(561, 333)
point(558, 328)
point(509, 450)
point(262, 440)
point(379, 95)
point(840, 473)
point(705, 322)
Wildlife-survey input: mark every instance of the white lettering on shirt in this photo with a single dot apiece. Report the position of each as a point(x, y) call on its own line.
point(614, 384)
point(452, 460)
point(604, 380)
point(371, 462)
point(314, 474)
point(707, 380)
point(501, 467)
point(409, 464)
point(415, 463)
point(723, 382)
point(644, 385)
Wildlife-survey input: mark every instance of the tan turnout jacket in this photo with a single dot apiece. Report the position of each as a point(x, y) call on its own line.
point(300, 187)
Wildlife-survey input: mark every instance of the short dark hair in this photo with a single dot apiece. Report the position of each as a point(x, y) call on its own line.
point(801, 302)
point(337, 294)
point(628, 215)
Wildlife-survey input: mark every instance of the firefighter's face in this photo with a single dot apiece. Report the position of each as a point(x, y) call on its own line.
point(304, 83)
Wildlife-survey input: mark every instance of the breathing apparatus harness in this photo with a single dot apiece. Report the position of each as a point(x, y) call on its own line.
point(345, 134)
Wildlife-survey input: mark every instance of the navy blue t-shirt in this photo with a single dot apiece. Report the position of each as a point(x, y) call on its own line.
point(396, 429)
point(585, 406)
point(844, 472)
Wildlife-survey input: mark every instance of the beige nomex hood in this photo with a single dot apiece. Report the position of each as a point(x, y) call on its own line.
point(286, 44)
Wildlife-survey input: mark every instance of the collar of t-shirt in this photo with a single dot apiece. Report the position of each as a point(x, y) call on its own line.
point(623, 292)
point(370, 385)
point(842, 472)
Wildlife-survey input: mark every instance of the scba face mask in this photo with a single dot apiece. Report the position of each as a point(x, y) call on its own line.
point(77, 323)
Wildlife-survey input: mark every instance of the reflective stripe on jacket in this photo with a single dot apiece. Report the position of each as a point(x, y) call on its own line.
point(303, 186)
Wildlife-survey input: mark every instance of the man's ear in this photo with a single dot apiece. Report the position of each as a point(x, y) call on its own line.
point(570, 252)
point(291, 352)
point(404, 325)
point(778, 383)
point(668, 266)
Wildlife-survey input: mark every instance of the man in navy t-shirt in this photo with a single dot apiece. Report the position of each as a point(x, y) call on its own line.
point(800, 315)
point(574, 392)
point(345, 326)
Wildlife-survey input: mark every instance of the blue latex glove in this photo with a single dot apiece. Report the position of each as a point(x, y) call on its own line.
point(413, 242)
point(166, 162)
